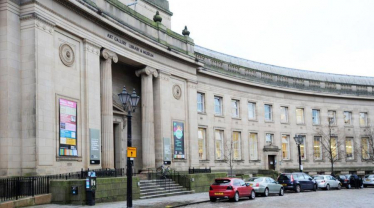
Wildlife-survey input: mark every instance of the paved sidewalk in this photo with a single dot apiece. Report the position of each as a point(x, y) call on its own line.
point(146, 203)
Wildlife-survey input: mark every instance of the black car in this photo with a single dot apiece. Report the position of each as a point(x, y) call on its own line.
point(297, 182)
point(345, 180)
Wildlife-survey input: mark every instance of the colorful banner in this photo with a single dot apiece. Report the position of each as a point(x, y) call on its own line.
point(68, 128)
point(178, 134)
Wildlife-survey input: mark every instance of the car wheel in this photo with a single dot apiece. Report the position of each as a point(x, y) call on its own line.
point(281, 192)
point(266, 192)
point(327, 187)
point(315, 187)
point(236, 197)
point(212, 199)
point(253, 195)
point(297, 189)
point(339, 186)
point(349, 186)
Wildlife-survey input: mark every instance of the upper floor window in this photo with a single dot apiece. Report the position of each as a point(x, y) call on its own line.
point(268, 112)
point(200, 102)
point(299, 116)
point(363, 119)
point(235, 108)
point(332, 117)
point(347, 118)
point(251, 111)
point(316, 120)
point(284, 114)
point(218, 105)
point(269, 139)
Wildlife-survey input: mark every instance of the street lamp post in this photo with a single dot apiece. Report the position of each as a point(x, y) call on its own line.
point(299, 139)
point(129, 103)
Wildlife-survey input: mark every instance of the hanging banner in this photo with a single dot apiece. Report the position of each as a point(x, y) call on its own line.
point(68, 128)
point(178, 134)
point(95, 146)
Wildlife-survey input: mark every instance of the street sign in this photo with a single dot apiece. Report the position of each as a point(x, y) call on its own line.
point(131, 152)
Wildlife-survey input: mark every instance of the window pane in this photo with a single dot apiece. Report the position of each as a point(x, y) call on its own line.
point(332, 114)
point(334, 149)
point(315, 117)
point(218, 105)
point(285, 146)
point(235, 108)
point(200, 102)
point(302, 149)
point(317, 148)
point(268, 113)
point(253, 146)
point(236, 145)
point(365, 145)
point(219, 144)
point(363, 119)
point(347, 117)
point(251, 111)
point(201, 144)
point(300, 116)
point(284, 114)
point(269, 139)
point(349, 148)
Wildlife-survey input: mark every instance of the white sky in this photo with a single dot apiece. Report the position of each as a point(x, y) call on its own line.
point(335, 36)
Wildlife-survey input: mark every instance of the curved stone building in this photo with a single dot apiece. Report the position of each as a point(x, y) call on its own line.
point(64, 62)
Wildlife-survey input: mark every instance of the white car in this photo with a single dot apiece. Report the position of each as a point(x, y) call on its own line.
point(368, 180)
point(326, 182)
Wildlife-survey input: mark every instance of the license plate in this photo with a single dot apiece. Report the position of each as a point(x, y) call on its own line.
point(367, 179)
point(218, 193)
point(250, 184)
point(284, 184)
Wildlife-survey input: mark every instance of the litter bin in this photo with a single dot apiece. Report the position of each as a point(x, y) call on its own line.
point(90, 188)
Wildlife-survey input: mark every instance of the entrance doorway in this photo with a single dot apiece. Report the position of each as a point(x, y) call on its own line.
point(271, 162)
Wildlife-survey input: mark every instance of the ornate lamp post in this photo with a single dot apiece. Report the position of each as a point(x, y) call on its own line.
point(129, 103)
point(299, 139)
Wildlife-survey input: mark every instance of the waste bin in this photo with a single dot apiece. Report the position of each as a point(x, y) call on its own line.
point(90, 188)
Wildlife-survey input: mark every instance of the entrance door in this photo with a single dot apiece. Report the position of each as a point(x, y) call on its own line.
point(271, 161)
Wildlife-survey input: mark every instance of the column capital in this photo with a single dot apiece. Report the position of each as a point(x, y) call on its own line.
point(107, 54)
point(147, 71)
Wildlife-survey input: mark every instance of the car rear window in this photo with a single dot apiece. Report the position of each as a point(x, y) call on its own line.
point(221, 182)
point(318, 177)
point(284, 177)
point(255, 179)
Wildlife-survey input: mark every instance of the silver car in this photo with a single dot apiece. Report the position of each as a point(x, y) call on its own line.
point(368, 180)
point(265, 186)
point(326, 182)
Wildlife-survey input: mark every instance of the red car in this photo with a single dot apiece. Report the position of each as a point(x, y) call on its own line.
point(230, 188)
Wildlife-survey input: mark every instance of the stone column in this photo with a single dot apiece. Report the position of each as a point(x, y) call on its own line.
point(107, 108)
point(148, 133)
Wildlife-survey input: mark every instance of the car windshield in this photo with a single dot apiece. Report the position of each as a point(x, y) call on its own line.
point(221, 182)
point(284, 177)
point(319, 177)
point(255, 179)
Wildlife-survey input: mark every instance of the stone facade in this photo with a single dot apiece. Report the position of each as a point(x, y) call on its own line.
point(85, 51)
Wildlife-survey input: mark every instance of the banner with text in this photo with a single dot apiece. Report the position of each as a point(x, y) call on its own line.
point(68, 128)
point(178, 134)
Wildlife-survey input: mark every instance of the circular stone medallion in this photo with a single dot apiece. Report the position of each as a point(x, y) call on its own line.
point(67, 54)
point(177, 92)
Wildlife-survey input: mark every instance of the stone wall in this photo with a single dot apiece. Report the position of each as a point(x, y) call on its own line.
point(108, 190)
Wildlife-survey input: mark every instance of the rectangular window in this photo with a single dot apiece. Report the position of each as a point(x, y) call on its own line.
point(317, 148)
point(268, 112)
point(236, 145)
point(218, 105)
point(332, 115)
point(202, 143)
point(347, 118)
point(316, 120)
point(235, 108)
point(284, 114)
point(299, 116)
point(253, 155)
point(334, 147)
point(200, 102)
point(269, 139)
point(365, 148)
point(68, 128)
point(349, 148)
point(363, 119)
point(286, 147)
point(252, 111)
point(302, 148)
point(219, 144)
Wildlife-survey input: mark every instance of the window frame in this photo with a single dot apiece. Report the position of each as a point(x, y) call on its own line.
point(350, 118)
point(270, 113)
point(288, 149)
point(202, 102)
point(239, 145)
point(335, 138)
point(271, 137)
point(252, 149)
point(254, 110)
point(204, 143)
point(286, 114)
point(366, 119)
point(220, 99)
point(237, 109)
point(320, 148)
point(352, 148)
point(222, 135)
point(333, 116)
point(304, 147)
point(318, 117)
point(368, 148)
point(303, 116)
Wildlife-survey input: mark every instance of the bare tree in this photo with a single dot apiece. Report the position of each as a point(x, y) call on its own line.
point(367, 145)
point(229, 155)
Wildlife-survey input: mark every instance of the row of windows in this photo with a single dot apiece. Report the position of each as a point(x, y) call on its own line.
point(235, 147)
point(363, 116)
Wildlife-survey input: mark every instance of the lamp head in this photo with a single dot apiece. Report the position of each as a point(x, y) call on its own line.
point(124, 97)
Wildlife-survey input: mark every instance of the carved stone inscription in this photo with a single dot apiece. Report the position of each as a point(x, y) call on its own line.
point(129, 45)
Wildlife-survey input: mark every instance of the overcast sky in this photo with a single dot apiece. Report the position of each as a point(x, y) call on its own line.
point(335, 36)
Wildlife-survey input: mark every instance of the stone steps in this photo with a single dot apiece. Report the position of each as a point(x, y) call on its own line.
point(160, 188)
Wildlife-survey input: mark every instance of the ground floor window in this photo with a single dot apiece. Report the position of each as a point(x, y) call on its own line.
point(334, 148)
point(219, 144)
point(236, 145)
point(365, 145)
point(253, 155)
point(285, 147)
point(302, 148)
point(201, 142)
point(349, 148)
point(317, 148)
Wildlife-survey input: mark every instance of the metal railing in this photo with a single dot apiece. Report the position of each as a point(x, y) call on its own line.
point(164, 178)
point(193, 170)
point(20, 187)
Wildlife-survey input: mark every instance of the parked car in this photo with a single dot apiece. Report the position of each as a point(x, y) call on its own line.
point(345, 181)
point(230, 188)
point(368, 180)
point(297, 182)
point(265, 186)
point(326, 182)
